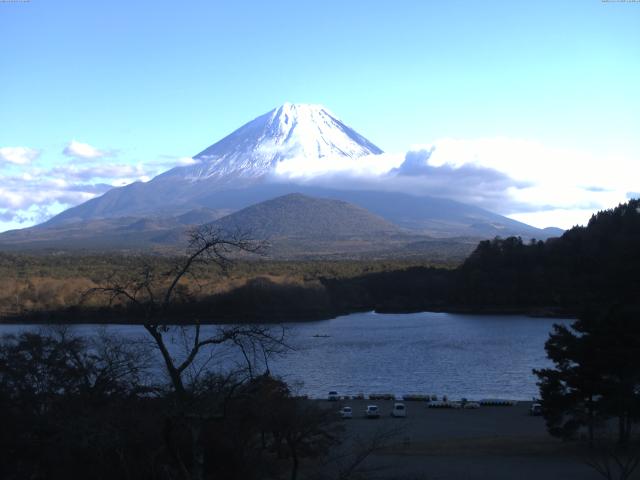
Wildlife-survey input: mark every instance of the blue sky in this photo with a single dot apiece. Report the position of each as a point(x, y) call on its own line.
point(140, 86)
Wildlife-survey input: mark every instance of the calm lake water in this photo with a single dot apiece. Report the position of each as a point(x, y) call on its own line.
point(473, 356)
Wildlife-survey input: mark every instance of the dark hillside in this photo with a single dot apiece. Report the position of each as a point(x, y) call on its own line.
point(297, 215)
point(593, 266)
point(596, 264)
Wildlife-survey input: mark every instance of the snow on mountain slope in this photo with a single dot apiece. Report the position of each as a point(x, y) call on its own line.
point(290, 140)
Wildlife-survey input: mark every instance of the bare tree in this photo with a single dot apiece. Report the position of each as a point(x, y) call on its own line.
point(348, 464)
point(153, 296)
point(62, 393)
point(614, 462)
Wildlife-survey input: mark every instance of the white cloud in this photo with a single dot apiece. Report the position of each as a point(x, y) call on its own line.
point(185, 161)
point(166, 162)
point(10, 220)
point(84, 151)
point(17, 194)
point(114, 173)
point(565, 218)
point(34, 194)
point(407, 173)
point(18, 155)
point(10, 199)
point(523, 179)
point(533, 161)
point(565, 185)
point(299, 167)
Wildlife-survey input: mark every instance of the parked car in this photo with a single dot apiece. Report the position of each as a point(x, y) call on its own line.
point(372, 411)
point(346, 412)
point(333, 396)
point(398, 410)
point(535, 410)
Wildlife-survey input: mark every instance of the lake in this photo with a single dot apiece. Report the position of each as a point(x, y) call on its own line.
point(473, 356)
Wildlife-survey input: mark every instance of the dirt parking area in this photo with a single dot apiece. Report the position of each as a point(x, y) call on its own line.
point(486, 443)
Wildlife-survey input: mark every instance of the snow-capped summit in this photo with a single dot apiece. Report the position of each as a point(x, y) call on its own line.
point(287, 140)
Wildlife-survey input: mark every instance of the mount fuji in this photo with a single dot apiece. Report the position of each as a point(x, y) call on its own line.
point(292, 135)
point(276, 154)
point(287, 139)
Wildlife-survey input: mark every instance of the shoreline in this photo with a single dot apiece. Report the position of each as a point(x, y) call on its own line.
point(87, 317)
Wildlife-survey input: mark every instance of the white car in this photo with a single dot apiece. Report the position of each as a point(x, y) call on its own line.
point(399, 410)
point(333, 396)
point(535, 410)
point(372, 411)
point(346, 412)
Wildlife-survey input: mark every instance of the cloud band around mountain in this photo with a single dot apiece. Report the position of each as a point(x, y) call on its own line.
point(409, 173)
point(504, 175)
point(488, 173)
point(31, 193)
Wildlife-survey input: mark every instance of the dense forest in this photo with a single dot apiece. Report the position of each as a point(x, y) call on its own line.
point(587, 267)
point(596, 264)
point(52, 287)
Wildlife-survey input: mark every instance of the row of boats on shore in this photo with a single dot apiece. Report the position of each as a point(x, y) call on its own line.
point(433, 401)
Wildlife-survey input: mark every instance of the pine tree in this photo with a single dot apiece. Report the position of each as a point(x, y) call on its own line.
point(596, 375)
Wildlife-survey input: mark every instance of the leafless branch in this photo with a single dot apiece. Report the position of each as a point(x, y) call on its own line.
point(351, 463)
point(614, 463)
